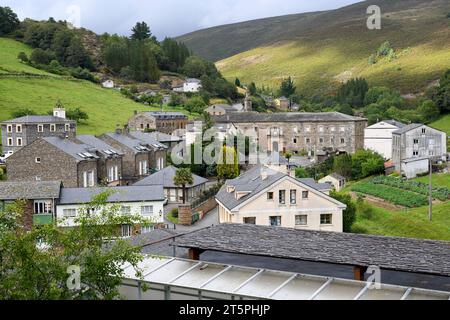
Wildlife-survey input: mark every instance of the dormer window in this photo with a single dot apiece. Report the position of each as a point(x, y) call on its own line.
point(230, 189)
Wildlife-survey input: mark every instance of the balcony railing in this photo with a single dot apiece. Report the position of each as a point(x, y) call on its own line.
point(42, 219)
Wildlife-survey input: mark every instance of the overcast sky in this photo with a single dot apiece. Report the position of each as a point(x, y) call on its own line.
point(165, 17)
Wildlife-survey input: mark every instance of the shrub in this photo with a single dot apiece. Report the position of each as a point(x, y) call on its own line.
point(39, 56)
point(23, 57)
point(384, 49)
point(174, 213)
point(356, 228)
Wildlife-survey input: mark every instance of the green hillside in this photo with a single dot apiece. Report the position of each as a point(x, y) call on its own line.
point(322, 49)
point(106, 108)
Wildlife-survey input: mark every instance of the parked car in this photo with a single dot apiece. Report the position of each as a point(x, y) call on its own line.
point(5, 156)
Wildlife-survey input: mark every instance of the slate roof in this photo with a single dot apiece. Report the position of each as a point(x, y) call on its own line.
point(165, 177)
point(120, 194)
point(395, 123)
point(98, 144)
point(30, 190)
point(126, 141)
point(225, 107)
point(337, 176)
point(39, 119)
point(163, 137)
point(391, 253)
point(315, 185)
point(252, 117)
point(408, 128)
point(71, 148)
point(149, 139)
point(162, 115)
point(252, 182)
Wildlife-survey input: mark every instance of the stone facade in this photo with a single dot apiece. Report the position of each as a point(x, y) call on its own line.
point(343, 134)
point(41, 161)
point(165, 122)
point(24, 131)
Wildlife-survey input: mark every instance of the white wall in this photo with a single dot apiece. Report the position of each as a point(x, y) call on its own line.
point(158, 207)
point(378, 138)
point(413, 168)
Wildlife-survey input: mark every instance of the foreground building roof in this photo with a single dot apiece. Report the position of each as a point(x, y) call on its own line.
point(165, 177)
point(79, 151)
point(30, 190)
point(390, 253)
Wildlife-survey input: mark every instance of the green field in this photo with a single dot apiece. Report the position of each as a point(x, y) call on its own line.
point(320, 50)
point(443, 124)
point(410, 223)
point(440, 180)
point(106, 108)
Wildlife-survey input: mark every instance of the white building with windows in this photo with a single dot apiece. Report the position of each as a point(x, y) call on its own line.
point(190, 85)
point(145, 201)
point(378, 137)
point(266, 197)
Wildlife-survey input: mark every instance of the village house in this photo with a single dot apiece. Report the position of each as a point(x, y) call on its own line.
point(189, 85)
point(159, 154)
point(172, 192)
point(55, 159)
point(165, 122)
point(109, 84)
point(109, 164)
point(378, 137)
point(283, 103)
point(170, 141)
point(300, 132)
point(336, 180)
point(414, 145)
point(266, 197)
point(144, 201)
point(222, 109)
point(39, 198)
point(138, 157)
point(20, 132)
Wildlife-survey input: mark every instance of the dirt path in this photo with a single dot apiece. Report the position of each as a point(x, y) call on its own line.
point(378, 202)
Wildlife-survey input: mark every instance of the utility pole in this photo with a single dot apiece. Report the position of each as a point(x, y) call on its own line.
point(430, 190)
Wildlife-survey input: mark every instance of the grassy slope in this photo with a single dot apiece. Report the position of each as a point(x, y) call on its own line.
point(317, 49)
point(105, 108)
point(443, 124)
point(412, 223)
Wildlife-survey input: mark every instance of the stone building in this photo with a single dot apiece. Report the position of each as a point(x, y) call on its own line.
point(413, 145)
point(138, 156)
point(109, 164)
point(55, 159)
point(296, 132)
point(20, 132)
point(165, 122)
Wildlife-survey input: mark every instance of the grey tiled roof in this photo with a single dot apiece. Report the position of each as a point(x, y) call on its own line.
point(126, 141)
point(39, 119)
point(408, 128)
point(71, 148)
point(165, 177)
point(30, 190)
point(166, 115)
point(395, 123)
point(119, 194)
point(251, 117)
point(250, 181)
point(313, 184)
point(149, 139)
point(98, 144)
point(337, 176)
point(161, 137)
point(392, 253)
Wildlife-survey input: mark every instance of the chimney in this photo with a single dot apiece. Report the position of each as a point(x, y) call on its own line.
point(59, 110)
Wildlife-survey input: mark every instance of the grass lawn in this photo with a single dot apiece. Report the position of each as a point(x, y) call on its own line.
point(442, 124)
point(411, 223)
point(106, 108)
point(441, 180)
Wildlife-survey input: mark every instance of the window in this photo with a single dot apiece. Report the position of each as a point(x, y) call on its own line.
point(43, 207)
point(321, 140)
point(9, 128)
point(333, 129)
point(10, 142)
point(125, 210)
point(143, 167)
point(305, 194)
point(301, 220)
point(308, 140)
point(416, 141)
point(295, 140)
point(342, 129)
point(38, 160)
point(146, 210)
point(342, 140)
point(19, 128)
point(19, 142)
point(250, 220)
point(293, 196)
point(269, 195)
point(424, 131)
point(88, 179)
point(126, 231)
point(321, 129)
point(40, 128)
point(67, 127)
point(113, 173)
point(326, 219)
point(70, 213)
point(147, 229)
point(37, 178)
point(52, 127)
point(282, 196)
point(415, 153)
point(308, 129)
point(275, 221)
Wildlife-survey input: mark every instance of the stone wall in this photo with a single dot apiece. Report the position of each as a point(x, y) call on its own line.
point(206, 207)
point(185, 214)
